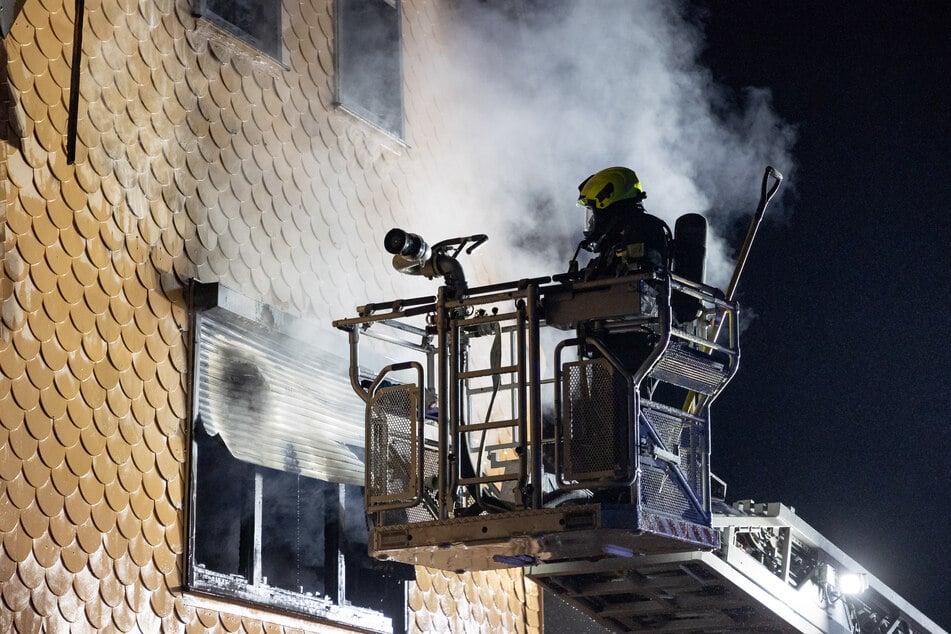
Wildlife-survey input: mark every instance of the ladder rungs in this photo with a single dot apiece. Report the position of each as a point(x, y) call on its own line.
point(472, 374)
point(505, 477)
point(492, 424)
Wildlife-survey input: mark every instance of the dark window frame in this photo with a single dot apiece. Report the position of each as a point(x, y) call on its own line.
point(268, 37)
point(384, 109)
point(246, 497)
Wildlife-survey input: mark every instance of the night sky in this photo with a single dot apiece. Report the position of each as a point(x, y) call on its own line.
point(841, 405)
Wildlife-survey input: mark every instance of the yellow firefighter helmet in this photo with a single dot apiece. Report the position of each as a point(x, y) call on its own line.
point(609, 186)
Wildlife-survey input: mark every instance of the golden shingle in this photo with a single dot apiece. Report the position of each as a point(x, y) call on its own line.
point(131, 388)
point(415, 597)
point(38, 424)
point(19, 492)
point(9, 516)
point(35, 473)
point(144, 366)
point(110, 590)
point(169, 463)
point(128, 524)
point(175, 490)
point(154, 534)
point(144, 459)
point(34, 107)
point(140, 551)
point(52, 402)
point(18, 74)
point(45, 550)
point(135, 294)
point(70, 606)
point(25, 395)
point(11, 365)
point(94, 347)
point(67, 483)
point(30, 249)
point(143, 413)
point(109, 331)
point(70, 289)
point(92, 490)
point(67, 429)
point(52, 453)
point(110, 233)
point(130, 479)
point(82, 269)
point(119, 449)
point(422, 621)
point(122, 313)
point(15, 594)
point(40, 376)
point(154, 394)
point(74, 194)
point(97, 615)
point(63, 532)
point(230, 622)
point(208, 618)
point(79, 463)
point(163, 605)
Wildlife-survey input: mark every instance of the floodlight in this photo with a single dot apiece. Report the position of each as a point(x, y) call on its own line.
point(852, 583)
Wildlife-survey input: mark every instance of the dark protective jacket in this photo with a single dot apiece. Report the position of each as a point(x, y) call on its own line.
point(627, 239)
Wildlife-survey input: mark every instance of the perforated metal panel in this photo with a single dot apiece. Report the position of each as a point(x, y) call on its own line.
point(422, 512)
point(596, 404)
point(662, 493)
point(691, 369)
point(668, 426)
point(693, 456)
point(393, 437)
point(684, 436)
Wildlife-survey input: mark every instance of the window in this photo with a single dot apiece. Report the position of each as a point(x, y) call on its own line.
point(369, 67)
point(255, 22)
point(277, 515)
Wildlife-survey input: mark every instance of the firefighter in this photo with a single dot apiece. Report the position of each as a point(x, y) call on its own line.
point(625, 239)
point(622, 235)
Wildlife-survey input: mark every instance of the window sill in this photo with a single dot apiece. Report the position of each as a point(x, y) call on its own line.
point(383, 132)
point(226, 46)
point(277, 606)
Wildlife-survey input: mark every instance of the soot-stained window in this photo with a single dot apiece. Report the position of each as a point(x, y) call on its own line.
point(256, 22)
point(277, 514)
point(369, 66)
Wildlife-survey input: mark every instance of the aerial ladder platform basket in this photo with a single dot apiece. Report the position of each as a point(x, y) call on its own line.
point(540, 420)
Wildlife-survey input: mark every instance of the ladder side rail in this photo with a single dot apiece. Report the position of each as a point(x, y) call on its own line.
point(534, 397)
point(443, 362)
point(454, 415)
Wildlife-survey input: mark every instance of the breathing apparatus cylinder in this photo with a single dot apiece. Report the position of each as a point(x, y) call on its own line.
point(690, 253)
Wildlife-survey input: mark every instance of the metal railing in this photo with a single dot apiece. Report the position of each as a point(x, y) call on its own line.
point(492, 365)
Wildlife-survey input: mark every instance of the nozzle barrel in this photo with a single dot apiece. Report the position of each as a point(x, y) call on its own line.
point(399, 242)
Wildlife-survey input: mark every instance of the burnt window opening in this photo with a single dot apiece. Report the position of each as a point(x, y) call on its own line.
point(254, 22)
point(369, 62)
point(277, 515)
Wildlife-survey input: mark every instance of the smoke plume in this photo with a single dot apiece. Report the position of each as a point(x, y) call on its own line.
point(542, 94)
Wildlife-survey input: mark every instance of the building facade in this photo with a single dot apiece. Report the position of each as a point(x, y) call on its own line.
point(149, 146)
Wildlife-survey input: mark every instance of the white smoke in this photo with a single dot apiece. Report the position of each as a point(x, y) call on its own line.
point(541, 95)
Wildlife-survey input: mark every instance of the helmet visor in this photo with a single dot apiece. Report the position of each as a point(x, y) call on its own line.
point(589, 221)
